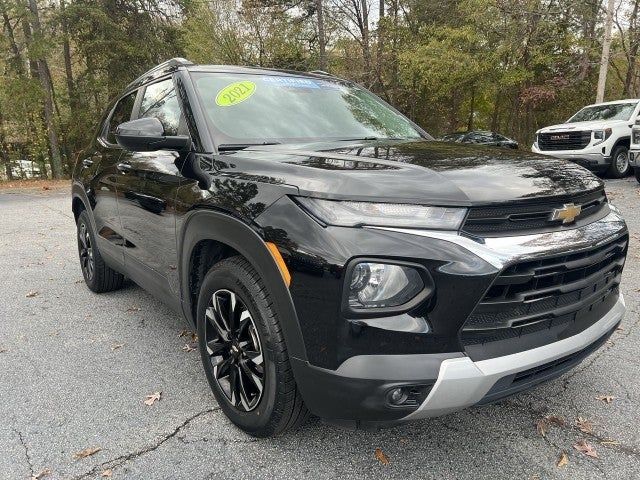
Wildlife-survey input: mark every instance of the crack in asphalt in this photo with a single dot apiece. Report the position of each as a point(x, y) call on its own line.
point(26, 452)
point(122, 459)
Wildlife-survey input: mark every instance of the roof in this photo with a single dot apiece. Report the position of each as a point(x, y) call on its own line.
point(176, 63)
point(611, 102)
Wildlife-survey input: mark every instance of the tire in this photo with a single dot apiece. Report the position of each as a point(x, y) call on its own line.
point(637, 172)
point(237, 343)
point(97, 275)
point(619, 167)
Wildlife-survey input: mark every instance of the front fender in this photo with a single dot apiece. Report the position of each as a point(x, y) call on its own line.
point(201, 225)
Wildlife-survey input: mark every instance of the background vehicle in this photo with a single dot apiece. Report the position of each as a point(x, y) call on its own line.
point(481, 137)
point(25, 169)
point(597, 137)
point(337, 261)
point(634, 152)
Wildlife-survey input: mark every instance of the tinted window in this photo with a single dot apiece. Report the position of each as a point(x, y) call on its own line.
point(160, 101)
point(263, 108)
point(121, 114)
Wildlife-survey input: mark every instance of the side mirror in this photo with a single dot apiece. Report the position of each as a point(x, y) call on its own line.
point(147, 135)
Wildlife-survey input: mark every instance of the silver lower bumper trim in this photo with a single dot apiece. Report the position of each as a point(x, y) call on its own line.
point(462, 382)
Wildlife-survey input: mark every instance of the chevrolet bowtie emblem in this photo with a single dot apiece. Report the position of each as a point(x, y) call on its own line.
point(567, 213)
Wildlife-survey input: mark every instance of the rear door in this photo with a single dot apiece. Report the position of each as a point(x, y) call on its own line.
point(147, 186)
point(99, 170)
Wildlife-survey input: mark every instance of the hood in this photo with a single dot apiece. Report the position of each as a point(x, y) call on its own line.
point(579, 126)
point(424, 172)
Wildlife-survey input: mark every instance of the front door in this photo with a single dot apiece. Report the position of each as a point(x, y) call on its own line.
point(147, 185)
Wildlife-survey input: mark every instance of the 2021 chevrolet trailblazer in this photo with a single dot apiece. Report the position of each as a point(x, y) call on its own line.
point(333, 257)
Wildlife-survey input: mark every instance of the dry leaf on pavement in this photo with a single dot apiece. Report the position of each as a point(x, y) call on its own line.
point(32, 293)
point(584, 425)
point(188, 348)
point(151, 399)
point(563, 460)
point(116, 346)
point(133, 309)
point(107, 473)
point(605, 398)
point(381, 457)
point(583, 447)
point(87, 452)
point(42, 474)
point(542, 425)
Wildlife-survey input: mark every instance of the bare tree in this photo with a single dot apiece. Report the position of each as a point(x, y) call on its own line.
point(322, 36)
point(42, 72)
point(606, 46)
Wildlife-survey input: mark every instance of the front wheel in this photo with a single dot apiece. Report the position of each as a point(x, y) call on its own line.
point(243, 351)
point(619, 162)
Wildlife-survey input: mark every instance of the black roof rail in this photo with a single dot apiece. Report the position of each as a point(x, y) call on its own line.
point(160, 70)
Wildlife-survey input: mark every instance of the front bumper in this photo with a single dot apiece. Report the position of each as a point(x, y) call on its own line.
point(355, 392)
point(634, 157)
point(591, 160)
point(462, 383)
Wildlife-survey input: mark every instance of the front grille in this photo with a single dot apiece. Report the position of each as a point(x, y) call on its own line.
point(537, 302)
point(520, 218)
point(563, 140)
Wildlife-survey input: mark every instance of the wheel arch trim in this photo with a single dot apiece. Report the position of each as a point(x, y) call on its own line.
point(202, 225)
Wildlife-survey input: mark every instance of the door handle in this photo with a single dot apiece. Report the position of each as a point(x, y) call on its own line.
point(87, 162)
point(124, 167)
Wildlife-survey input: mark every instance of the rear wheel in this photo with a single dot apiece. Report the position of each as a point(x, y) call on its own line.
point(97, 275)
point(619, 162)
point(243, 351)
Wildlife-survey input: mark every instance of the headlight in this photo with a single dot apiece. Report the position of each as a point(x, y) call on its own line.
point(635, 136)
point(353, 214)
point(601, 135)
point(382, 285)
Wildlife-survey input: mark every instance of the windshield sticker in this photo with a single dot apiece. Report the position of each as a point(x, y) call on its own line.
point(293, 82)
point(235, 93)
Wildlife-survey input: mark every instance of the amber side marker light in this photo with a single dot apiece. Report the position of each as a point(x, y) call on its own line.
point(284, 271)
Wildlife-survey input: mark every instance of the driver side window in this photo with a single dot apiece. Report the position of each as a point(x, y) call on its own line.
point(121, 113)
point(160, 101)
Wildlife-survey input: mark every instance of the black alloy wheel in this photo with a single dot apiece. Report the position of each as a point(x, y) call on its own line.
point(234, 349)
point(85, 249)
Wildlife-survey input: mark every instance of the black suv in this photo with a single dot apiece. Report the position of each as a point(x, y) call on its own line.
point(336, 260)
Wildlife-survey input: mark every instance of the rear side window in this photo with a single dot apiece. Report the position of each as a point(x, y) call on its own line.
point(160, 101)
point(121, 114)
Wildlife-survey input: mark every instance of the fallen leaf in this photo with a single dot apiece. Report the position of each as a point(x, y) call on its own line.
point(116, 346)
point(381, 457)
point(87, 452)
point(542, 425)
point(151, 399)
point(107, 473)
point(583, 447)
point(584, 425)
point(563, 460)
point(188, 348)
point(609, 442)
point(32, 293)
point(189, 333)
point(605, 398)
point(3, 350)
point(42, 474)
point(133, 309)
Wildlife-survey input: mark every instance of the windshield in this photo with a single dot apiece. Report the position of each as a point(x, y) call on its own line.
point(258, 109)
point(613, 111)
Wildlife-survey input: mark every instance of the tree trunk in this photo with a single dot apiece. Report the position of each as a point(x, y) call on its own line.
point(4, 151)
point(606, 46)
point(47, 92)
point(322, 40)
point(633, 52)
point(471, 109)
point(366, 47)
point(67, 60)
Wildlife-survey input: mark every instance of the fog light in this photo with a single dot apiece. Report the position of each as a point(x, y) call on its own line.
point(397, 396)
point(379, 285)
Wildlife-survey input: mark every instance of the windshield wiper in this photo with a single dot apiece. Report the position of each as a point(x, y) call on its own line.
point(370, 138)
point(228, 147)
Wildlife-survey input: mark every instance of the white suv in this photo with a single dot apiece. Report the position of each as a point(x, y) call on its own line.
point(597, 137)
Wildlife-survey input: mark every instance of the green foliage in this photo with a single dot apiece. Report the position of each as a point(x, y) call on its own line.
point(507, 65)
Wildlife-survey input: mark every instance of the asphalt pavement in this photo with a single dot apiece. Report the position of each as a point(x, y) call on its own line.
point(76, 367)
